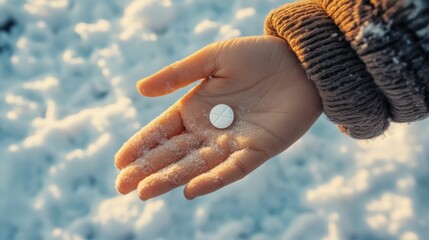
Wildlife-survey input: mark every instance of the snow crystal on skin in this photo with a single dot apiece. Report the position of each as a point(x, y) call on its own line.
point(195, 162)
point(165, 154)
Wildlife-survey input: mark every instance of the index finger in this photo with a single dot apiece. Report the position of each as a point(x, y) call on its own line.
point(197, 66)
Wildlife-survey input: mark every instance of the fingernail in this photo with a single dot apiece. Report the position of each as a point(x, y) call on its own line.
point(189, 197)
point(143, 198)
point(140, 89)
point(138, 82)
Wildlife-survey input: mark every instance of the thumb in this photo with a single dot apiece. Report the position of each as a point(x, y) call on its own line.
point(180, 74)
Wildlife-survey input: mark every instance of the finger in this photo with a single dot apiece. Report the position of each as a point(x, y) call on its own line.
point(154, 160)
point(237, 166)
point(180, 74)
point(164, 127)
point(181, 172)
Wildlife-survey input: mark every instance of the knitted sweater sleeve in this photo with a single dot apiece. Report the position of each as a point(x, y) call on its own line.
point(369, 59)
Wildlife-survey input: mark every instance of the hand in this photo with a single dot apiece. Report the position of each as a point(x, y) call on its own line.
point(273, 101)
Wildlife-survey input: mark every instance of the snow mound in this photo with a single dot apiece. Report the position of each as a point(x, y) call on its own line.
point(68, 102)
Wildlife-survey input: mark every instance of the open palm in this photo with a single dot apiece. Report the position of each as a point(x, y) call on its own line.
point(273, 101)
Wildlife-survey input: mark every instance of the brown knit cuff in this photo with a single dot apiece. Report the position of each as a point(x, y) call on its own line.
point(392, 38)
point(349, 95)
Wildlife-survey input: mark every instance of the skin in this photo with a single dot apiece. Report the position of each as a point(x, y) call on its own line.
point(274, 105)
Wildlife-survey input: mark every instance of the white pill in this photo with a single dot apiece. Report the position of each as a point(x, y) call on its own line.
point(221, 116)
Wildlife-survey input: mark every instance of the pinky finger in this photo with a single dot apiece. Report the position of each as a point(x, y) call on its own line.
point(234, 168)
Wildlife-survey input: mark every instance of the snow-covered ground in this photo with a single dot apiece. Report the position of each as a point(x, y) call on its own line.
point(68, 101)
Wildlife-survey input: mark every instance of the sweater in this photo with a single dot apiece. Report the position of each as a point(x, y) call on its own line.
point(369, 59)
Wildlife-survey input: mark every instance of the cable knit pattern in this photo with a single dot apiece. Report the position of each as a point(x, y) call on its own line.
point(368, 59)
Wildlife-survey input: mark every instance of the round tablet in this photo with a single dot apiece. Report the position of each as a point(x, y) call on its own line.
point(221, 116)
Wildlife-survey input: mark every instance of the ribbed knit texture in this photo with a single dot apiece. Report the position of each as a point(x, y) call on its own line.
point(368, 59)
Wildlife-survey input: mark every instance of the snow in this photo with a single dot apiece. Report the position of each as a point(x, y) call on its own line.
point(68, 102)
